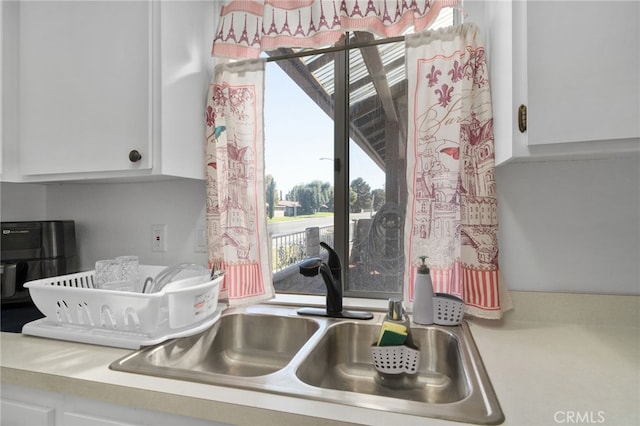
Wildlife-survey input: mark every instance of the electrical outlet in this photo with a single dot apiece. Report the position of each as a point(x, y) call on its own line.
point(159, 238)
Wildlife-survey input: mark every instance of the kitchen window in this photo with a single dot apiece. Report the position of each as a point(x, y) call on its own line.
point(335, 137)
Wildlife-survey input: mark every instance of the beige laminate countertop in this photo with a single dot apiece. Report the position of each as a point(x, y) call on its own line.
point(555, 359)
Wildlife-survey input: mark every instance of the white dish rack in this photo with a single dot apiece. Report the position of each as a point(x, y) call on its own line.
point(75, 311)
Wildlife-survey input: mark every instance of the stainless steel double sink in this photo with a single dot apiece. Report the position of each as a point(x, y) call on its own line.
point(272, 349)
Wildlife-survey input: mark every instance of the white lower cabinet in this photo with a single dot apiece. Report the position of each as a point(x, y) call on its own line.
point(79, 419)
point(16, 413)
point(23, 406)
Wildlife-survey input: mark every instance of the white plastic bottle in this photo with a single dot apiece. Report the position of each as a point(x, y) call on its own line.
point(423, 296)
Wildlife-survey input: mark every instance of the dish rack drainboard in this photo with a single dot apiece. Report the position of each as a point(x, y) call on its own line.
point(75, 311)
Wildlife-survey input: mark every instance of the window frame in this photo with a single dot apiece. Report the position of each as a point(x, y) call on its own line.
point(341, 142)
point(341, 182)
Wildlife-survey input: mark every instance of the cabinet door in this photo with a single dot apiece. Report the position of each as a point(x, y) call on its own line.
point(85, 86)
point(583, 71)
point(79, 419)
point(28, 414)
point(1, 83)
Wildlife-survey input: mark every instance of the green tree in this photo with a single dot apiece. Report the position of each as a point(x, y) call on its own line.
point(312, 196)
point(379, 198)
point(292, 195)
point(353, 196)
point(271, 195)
point(306, 199)
point(363, 195)
point(327, 195)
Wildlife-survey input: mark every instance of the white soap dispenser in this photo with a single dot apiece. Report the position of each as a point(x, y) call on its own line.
point(423, 295)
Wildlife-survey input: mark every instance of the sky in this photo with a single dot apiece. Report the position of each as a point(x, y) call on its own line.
point(299, 138)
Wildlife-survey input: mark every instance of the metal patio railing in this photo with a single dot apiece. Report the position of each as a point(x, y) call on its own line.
point(289, 249)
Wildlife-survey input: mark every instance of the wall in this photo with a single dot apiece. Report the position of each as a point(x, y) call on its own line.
point(571, 226)
point(116, 219)
point(567, 226)
point(22, 201)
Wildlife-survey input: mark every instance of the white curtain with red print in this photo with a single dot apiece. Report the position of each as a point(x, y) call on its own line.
point(248, 27)
point(452, 212)
point(236, 216)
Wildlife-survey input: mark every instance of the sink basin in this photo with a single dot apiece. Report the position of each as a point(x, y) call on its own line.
point(272, 349)
point(342, 361)
point(239, 345)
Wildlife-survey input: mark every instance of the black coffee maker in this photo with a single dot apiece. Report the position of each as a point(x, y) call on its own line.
point(30, 251)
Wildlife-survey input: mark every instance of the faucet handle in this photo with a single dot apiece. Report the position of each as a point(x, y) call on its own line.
point(310, 267)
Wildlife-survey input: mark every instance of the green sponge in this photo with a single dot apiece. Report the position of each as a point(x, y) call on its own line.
point(392, 334)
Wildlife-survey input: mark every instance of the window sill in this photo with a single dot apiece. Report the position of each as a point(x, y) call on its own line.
point(320, 301)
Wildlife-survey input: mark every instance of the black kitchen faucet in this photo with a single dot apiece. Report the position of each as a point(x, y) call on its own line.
point(331, 273)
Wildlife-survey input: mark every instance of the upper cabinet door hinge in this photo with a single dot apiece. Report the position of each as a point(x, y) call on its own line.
point(522, 118)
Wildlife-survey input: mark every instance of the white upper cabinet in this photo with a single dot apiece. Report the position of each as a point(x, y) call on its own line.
point(575, 66)
point(110, 89)
point(2, 55)
point(86, 78)
point(8, 79)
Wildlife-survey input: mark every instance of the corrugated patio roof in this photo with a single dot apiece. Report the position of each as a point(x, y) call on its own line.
point(377, 81)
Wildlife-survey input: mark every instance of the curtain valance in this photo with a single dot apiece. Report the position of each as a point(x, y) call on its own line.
point(248, 27)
